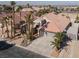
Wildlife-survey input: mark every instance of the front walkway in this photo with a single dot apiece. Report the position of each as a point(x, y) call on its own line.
point(74, 50)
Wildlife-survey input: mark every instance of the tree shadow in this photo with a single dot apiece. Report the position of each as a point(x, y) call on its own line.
point(65, 41)
point(4, 45)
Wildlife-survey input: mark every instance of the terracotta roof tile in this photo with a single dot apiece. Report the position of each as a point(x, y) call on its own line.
point(57, 22)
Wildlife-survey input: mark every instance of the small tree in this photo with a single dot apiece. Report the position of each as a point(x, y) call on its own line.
point(29, 32)
point(2, 22)
point(7, 30)
point(13, 3)
point(77, 19)
point(29, 21)
point(77, 8)
point(28, 5)
point(58, 40)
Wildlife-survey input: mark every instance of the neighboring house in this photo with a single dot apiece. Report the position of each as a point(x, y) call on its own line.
point(57, 23)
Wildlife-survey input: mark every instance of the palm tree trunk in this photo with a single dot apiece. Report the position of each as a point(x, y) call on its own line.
point(11, 29)
point(20, 20)
point(28, 30)
point(32, 31)
point(13, 22)
point(7, 29)
point(2, 29)
point(20, 15)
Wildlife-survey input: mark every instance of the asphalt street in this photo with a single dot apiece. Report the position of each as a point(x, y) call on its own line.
point(16, 52)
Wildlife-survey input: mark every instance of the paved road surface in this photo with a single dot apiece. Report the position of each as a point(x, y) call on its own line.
point(17, 52)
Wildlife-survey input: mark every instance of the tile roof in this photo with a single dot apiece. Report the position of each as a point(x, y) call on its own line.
point(57, 22)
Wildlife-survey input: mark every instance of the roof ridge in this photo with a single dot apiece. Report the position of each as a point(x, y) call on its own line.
point(56, 25)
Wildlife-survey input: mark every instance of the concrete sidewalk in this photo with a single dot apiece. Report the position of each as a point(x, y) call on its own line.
point(71, 51)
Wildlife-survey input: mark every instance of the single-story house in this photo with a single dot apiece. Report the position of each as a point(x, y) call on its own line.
point(57, 22)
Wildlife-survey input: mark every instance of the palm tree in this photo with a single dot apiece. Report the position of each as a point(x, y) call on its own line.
point(11, 24)
point(58, 40)
point(0, 10)
point(4, 7)
point(56, 10)
point(77, 8)
point(19, 10)
point(29, 32)
point(28, 5)
point(2, 22)
point(7, 30)
point(7, 9)
point(50, 7)
point(77, 19)
point(13, 17)
point(41, 12)
point(29, 21)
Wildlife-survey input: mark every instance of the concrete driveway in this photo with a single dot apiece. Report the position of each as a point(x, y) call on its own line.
point(42, 45)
